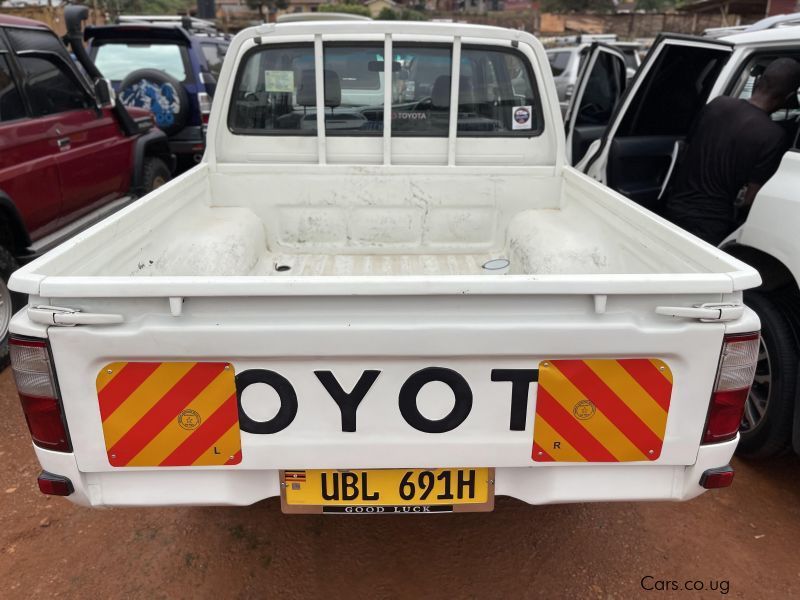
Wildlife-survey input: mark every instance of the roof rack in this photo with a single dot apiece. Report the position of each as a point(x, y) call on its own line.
point(320, 16)
point(774, 22)
point(185, 21)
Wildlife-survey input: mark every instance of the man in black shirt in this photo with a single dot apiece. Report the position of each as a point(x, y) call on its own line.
point(733, 144)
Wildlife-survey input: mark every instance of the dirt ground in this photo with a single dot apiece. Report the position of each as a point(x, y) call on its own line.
point(743, 542)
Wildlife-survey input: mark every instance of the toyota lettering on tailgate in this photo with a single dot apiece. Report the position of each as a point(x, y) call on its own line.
point(348, 402)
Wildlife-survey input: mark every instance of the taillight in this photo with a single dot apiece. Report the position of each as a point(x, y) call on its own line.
point(737, 366)
point(30, 363)
point(204, 100)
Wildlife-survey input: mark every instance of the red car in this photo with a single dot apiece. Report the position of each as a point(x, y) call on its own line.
point(69, 155)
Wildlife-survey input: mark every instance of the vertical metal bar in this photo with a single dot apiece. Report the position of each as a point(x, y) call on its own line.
point(455, 77)
point(388, 81)
point(319, 80)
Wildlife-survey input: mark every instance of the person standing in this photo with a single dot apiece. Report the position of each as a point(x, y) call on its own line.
point(734, 144)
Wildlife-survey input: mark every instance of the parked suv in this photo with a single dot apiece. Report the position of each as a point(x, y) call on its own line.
point(68, 155)
point(167, 65)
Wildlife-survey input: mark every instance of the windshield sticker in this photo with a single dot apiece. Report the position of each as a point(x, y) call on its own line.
point(279, 81)
point(522, 117)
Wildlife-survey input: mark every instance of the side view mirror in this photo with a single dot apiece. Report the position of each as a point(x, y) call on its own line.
point(104, 93)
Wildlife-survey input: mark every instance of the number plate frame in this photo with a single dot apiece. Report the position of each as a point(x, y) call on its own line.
point(388, 508)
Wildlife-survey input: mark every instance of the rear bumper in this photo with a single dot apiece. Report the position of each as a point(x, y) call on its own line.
point(240, 487)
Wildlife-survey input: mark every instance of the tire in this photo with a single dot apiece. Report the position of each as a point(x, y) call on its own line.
point(161, 94)
point(155, 173)
point(767, 423)
point(10, 302)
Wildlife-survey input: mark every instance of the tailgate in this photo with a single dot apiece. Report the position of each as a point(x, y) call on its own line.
point(387, 382)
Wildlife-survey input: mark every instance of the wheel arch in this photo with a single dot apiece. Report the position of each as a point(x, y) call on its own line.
point(152, 143)
point(13, 233)
point(780, 284)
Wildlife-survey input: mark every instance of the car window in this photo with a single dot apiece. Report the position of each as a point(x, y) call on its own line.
point(214, 54)
point(672, 92)
point(50, 87)
point(602, 90)
point(496, 94)
point(10, 101)
point(558, 61)
point(356, 67)
point(421, 90)
point(629, 54)
point(276, 91)
point(38, 40)
point(753, 70)
point(117, 60)
point(354, 82)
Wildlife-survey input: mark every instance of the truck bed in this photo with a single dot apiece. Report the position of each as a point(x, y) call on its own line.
point(258, 225)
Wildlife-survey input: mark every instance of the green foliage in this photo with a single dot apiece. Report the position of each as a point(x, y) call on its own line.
point(655, 5)
point(264, 6)
point(146, 7)
point(387, 14)
point(566, 6)
point(413, 15)
point(353, 9)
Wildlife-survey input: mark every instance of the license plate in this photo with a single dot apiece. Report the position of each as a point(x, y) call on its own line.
point(387, 491)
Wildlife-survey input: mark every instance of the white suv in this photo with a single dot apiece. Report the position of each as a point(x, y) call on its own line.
point(632, 149)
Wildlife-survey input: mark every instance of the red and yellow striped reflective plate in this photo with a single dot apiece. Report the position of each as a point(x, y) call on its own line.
point(169, 414)
point(601, 410)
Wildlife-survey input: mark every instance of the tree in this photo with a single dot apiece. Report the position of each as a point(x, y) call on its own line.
point(387, 14)
point(270, 5)
point(347, 7)
point(566, 6)
point(654, 5)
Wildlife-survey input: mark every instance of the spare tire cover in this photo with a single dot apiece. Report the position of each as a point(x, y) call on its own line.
point(161, 94)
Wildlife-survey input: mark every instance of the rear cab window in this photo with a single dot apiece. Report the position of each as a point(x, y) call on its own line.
point(275, 91)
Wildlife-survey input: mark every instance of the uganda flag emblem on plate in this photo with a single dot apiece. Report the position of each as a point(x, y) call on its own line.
point(601, 410)
point(169, 414)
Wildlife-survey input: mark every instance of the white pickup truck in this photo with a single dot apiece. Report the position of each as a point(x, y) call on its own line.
point(410, 305)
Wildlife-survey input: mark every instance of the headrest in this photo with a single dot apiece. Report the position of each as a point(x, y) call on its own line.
point(307, 90)
point(440, 95)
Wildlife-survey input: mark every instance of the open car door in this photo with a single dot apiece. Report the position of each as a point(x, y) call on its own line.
point(640, 145)
point(600, 84)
